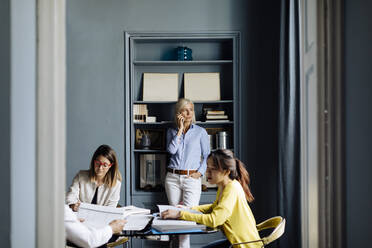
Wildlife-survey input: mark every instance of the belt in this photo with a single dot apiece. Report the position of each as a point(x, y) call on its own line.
point(181, 172)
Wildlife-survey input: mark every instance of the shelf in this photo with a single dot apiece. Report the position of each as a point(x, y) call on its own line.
point(182, 62)
point(153, 123)
point(174, 102)
point(198, 122)
point(149, 151)
point(214, 122)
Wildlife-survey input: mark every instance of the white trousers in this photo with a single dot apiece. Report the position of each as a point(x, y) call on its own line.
point(184, 190)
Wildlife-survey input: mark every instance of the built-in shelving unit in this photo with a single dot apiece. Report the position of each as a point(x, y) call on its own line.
point(154, 53)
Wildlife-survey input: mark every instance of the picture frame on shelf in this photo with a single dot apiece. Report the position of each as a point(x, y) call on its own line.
point(152, 170)
point(160, 87)
point(156, 139)
point(202, 86)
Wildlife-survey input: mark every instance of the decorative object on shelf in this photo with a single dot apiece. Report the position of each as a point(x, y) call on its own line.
point(184, 53)
point(156, 138)
point(151, 119)
point(222, 140)
point(145, 141)
point(152, 170)
point(202, 86)
point(211, 141)
point(160, 87)
point(212, 132)
point(140, 112)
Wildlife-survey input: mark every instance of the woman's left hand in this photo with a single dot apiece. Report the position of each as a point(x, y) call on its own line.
point(170, 214)
point(196, 175)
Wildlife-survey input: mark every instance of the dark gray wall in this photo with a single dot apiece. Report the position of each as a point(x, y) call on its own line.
point(95, 72)
point(358, 96)
point(5, 123)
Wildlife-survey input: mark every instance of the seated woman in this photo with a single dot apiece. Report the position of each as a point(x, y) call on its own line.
point(230, 210)
point(98, 185)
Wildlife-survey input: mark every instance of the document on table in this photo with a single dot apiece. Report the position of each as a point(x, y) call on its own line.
point(98, 216)
point(129, 210)
point(137, 222)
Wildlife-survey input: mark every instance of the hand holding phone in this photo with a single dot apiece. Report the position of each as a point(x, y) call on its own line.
point(181, 121)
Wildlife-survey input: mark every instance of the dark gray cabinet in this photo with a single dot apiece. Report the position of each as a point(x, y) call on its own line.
point(147, 52)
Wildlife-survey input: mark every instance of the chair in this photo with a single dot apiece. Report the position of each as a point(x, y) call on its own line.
point(278, 223)
point(120, 241)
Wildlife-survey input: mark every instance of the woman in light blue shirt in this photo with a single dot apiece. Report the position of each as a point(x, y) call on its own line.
point(188, 145)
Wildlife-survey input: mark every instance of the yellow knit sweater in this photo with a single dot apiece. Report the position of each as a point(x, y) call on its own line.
point(231, 212)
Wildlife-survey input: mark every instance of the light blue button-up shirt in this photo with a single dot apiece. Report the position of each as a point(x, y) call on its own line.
point(188, 151)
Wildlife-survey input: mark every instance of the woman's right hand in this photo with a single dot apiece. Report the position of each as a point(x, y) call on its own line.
point(170, 214)
point(75, 207)
point(180, 122)
point(182, 206)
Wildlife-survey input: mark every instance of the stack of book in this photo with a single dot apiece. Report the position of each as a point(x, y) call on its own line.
point(140, 112)
point(216, 115)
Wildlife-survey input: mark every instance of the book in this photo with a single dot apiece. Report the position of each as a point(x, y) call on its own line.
point(215, 112)
point(217, 120)
point(216, 117)
point(140, 112)
point(99, 216)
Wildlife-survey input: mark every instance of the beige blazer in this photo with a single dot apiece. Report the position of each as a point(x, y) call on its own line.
point(82, 189)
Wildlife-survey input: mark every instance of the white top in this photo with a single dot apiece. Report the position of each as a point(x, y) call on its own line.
point(84, 236)
point(82, 189)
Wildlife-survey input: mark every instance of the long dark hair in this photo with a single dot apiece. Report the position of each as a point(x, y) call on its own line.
point(224, 159)
point(113, 173)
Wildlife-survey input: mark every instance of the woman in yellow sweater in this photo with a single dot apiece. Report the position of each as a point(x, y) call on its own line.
point(230, 211)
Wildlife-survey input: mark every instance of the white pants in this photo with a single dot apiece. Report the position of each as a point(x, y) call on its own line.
point(184, 190)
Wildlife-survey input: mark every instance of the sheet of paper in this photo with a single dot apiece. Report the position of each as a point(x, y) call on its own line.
point(137, 222)
point(98, 216)
point(166, 207)
point(129, 210)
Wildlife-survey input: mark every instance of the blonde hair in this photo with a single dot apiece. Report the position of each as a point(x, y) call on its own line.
point(113, 174)
point(182, 102)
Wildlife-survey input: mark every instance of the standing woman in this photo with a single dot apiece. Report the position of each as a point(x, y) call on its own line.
point(98, 185)
point(188, 145)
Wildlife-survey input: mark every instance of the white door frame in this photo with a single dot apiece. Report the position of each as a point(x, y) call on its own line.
point(51, 122)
